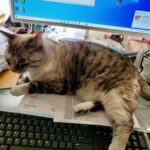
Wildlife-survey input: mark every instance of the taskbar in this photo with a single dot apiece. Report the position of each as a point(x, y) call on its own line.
point(84, 24)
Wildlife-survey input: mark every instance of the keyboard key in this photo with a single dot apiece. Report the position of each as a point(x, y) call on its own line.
point(32, 142)
point(51, 130)
point(15, 134)
point(47, 143)
point(65, 131)
point(55, 125)
point(42, 122)
point(15, 115)
point(129, 143)
point(24, 142)
point(2, 119)
point(29, 122)
point(8, 133)
point(38, 136)
point(54, 144)
point(22, 121)
point(59, 138)
point(86, 133)
point(30, 135)
point(69, 146)
point(45, 136)
point(9, 141)
point(44, 129)
point(2, 126)
point(36, 122)
point(16, 127)
point(136, 144)
point(3, 147)
point(23, 134)
point(62, 125)
point(79, 132)
point(66, 138)
point(1, 132)
point(8, 114)
point(84, 139)
point(37, 129)
point(79, 146)
point(62, 145)
point(58, 131)
point(30, 129)
point(49, 123)
point(73, 138)
point(52, 137)
point(39, 143)
point(9, 126)
point(27, 148)
point(15, 121)
point(8, 120)
point(2, 139)
point(134, 137)
point(23, 128)
point(17, 141)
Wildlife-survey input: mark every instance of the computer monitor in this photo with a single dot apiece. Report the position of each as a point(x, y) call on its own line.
point(122, 15)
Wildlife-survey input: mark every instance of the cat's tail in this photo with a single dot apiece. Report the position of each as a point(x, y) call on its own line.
point(145, 89)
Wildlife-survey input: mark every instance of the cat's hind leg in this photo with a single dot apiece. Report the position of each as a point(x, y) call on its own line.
point(119, 109)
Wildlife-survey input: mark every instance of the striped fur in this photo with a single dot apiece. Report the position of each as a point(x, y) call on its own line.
point(96, 74)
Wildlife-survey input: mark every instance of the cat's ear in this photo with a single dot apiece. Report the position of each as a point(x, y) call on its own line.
point(36, 41)
point(9, 34)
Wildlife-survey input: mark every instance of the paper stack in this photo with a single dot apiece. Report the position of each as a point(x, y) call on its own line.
point(60, 108)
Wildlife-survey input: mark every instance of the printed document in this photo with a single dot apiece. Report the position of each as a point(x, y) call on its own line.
point(64, 113)
point(60, 108)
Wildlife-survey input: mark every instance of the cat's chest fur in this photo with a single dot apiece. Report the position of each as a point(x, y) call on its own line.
point(41, 73)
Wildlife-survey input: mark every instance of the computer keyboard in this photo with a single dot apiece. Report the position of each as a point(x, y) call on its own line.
point(26, 132)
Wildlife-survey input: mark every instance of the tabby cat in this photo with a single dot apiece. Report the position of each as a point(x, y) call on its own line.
point(96, 74)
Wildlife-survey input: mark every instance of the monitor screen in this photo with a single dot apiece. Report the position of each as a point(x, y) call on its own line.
point(123, 15)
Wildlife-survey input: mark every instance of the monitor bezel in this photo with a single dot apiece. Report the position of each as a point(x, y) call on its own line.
point(136, 33)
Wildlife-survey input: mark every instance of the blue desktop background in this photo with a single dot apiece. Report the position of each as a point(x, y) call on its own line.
point(104, 12)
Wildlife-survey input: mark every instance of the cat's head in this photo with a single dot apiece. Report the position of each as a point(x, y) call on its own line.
point(24, 52)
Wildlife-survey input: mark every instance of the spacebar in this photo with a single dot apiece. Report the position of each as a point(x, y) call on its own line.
point(28, 148)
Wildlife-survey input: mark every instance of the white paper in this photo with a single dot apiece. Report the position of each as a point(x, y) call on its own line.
point(64, 113)
point(60, 108)
point(9, 102)
point(3, 42)
point(3, 64)
point(40, 104)
point(58, 33)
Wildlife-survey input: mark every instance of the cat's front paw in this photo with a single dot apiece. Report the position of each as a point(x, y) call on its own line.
point(19, 90)
point(24, 78)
